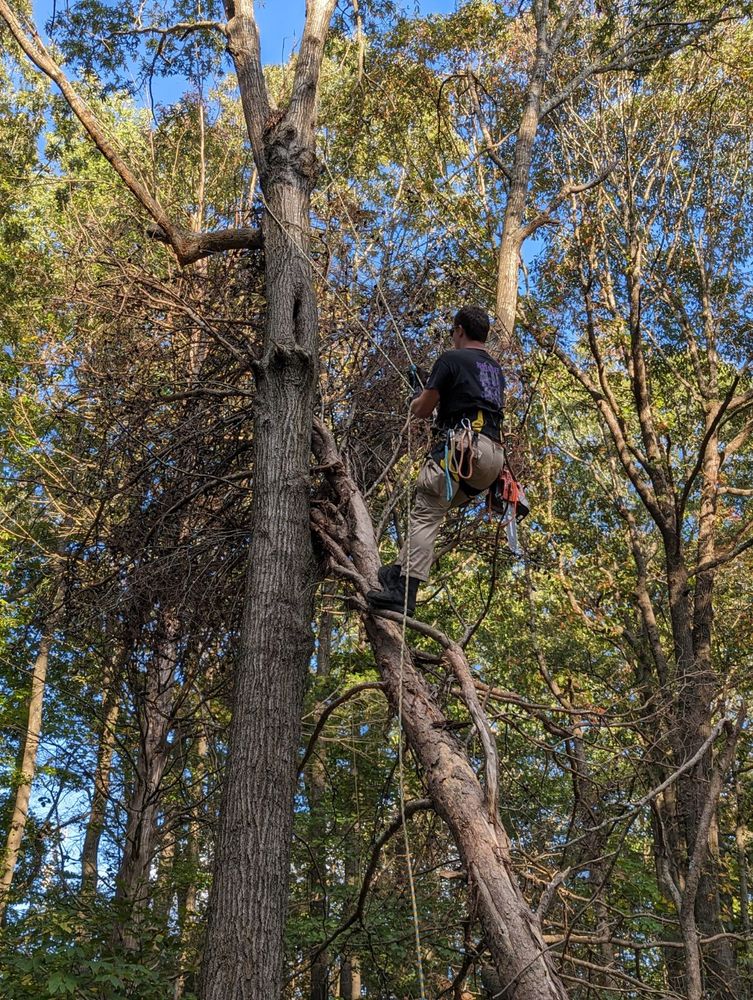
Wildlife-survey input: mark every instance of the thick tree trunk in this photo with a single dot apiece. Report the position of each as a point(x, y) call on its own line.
point(698, 685)
point(243, 954)
point(350, 979)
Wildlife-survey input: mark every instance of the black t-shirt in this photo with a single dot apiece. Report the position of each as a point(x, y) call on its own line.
point(470, 385)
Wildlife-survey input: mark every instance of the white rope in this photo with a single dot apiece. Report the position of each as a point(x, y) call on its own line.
point(403, 647)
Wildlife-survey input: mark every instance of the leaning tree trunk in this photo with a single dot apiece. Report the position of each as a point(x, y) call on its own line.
point(511, 930)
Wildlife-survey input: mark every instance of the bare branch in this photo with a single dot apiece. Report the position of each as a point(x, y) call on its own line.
point(181, 28)
point(725, 557)
point(547, 897)
point(631, 52)
point(196, 246)
point(490, 147)
point(329, 709)
point(546, 217)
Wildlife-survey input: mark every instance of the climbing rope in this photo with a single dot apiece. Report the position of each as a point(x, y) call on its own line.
point(401, 780)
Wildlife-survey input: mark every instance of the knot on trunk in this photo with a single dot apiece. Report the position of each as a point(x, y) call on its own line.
point(280, 358)
point(289, 160)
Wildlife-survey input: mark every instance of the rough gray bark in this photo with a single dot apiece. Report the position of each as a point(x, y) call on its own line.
point(243, 953)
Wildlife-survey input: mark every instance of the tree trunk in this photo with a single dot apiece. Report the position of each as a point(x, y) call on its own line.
point(512, 932)
point(742, 841)
point(593, 852)
point(26, 775)
point(243, 955)
point(95, 825)
point(155, 721)
point(315, 786)
point(508, 258)
point(350, 979)
point(247, 907)
point(28, 763)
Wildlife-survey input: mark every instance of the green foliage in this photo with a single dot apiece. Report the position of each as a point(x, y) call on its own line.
point(67, 951)
point(127, 433)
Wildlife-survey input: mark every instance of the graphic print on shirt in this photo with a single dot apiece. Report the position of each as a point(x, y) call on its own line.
point(489, 380)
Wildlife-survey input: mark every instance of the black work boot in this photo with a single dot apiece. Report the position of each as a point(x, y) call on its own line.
point(392, 597)
point(389, 574)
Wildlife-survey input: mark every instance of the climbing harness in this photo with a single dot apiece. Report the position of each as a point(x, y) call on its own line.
point(507, 498)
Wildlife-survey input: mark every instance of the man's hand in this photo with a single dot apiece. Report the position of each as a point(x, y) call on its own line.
point(424, 405)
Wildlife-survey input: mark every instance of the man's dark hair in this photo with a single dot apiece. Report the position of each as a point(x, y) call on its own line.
point(474, 321)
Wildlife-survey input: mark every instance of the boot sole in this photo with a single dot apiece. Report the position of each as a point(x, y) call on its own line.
point(379, 606)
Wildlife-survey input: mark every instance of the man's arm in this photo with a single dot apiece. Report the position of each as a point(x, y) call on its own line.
point(425, 404)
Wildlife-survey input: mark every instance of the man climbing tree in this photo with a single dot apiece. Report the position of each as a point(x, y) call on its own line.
point(467, 457)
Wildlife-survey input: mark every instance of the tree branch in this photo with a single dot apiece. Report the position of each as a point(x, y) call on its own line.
point(180, 239)
point(182, 27)
point(701, 846)
point(545, 217)
point(704, 444)
point(196, 246)
point(490, 146)
point(328, 710)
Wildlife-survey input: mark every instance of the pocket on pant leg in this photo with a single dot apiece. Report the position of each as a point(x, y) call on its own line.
point(431, 479)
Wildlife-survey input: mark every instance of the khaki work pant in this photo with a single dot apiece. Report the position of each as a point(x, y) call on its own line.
point(431, 504)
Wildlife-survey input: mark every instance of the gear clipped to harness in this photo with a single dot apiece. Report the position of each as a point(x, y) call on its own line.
point(508, 499)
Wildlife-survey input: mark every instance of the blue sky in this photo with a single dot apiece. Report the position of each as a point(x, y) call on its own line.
point(281, 21)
